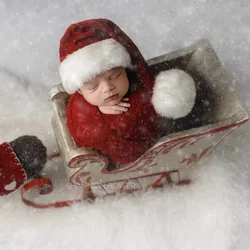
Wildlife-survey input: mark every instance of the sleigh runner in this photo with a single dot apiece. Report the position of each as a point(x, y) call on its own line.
point(217, 113)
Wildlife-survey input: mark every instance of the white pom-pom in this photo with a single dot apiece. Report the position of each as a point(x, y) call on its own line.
point(173, 94)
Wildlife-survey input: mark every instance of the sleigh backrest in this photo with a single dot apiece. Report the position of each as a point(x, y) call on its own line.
point(216, 101)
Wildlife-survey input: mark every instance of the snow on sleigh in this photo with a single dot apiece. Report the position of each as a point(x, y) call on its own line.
point(217, 113)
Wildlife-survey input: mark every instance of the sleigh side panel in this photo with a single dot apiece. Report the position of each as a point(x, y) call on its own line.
point(169, 161)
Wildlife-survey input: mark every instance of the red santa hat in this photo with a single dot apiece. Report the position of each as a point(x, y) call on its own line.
point(91, 47)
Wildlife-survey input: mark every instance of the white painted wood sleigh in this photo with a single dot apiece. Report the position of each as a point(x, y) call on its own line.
point(216, 114)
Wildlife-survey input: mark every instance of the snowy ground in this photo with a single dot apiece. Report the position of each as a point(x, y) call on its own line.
point(213, 213)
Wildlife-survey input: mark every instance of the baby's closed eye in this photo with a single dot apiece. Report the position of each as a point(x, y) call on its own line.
point(115, 75)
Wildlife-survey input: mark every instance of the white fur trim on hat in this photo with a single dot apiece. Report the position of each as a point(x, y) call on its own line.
point(90, 61)
point(173, 94)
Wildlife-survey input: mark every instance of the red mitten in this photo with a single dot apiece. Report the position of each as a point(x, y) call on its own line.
point(20, 159)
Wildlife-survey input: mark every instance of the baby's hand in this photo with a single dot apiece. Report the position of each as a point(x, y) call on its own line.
point(116, 109)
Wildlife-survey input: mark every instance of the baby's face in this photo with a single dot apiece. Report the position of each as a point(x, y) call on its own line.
point(107, 88)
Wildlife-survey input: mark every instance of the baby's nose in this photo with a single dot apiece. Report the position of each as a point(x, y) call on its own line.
point(107, 86)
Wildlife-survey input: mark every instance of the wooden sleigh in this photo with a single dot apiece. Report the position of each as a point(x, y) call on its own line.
point(216, 114)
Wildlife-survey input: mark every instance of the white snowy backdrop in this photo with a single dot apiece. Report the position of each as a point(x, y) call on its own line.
point(213, 213)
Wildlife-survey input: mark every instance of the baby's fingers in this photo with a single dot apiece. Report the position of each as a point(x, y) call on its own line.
point(124, 104)
point(115, 112)
point(120, 108)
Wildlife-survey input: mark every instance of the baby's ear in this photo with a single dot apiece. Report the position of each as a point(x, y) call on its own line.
point(173, 94)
